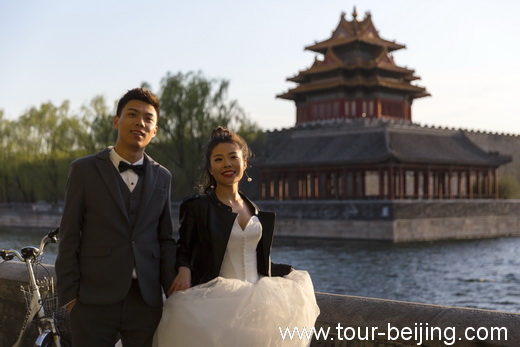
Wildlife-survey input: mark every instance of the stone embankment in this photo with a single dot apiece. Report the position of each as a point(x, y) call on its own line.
point(347, 320)
point(395, 221)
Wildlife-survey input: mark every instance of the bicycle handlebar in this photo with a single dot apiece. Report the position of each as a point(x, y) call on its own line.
point(53, 233)
point(10, 254)
point(51, 237)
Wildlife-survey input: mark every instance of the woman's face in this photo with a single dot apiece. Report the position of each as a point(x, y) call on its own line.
point(227, 164)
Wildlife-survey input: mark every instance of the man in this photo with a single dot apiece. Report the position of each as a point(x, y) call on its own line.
point(117, 248)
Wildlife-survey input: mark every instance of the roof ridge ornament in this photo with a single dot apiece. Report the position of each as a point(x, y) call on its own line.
point(354, 14)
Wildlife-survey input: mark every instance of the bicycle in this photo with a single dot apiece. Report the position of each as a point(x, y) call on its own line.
point(40, 297)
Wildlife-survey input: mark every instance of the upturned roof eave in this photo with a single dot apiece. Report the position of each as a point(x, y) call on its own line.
point(322, 46)
point(485, 163)
point(306, 88)
point(388, 159)
point(355, 66)
point(268, 165)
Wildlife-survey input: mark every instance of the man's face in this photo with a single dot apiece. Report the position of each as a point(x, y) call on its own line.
point(136, 125)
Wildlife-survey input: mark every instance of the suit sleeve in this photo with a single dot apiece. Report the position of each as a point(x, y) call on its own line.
point(278, 269)
point(67, 269)
point(167, 243)
point(187, 235)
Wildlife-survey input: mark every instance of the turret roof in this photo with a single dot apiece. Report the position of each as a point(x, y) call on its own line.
point(376, 141)
point(332, 62)
point(371, 82)
point(348, 32)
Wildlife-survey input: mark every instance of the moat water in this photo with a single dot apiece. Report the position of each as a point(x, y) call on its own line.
point(482, 273)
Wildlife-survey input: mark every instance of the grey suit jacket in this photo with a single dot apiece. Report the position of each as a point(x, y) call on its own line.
point(99, 248)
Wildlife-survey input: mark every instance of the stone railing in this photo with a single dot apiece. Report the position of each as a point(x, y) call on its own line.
point(375, 322)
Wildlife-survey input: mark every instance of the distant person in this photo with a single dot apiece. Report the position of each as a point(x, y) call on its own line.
point(224, 294)
point(116, 248)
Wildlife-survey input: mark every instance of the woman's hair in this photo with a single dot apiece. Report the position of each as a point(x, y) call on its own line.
point(218, 135)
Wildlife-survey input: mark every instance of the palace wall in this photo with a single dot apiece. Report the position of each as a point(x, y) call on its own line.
point(398, 220)
point(508, 144)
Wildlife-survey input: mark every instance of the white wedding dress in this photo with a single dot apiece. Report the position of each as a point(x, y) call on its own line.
point(239, 308)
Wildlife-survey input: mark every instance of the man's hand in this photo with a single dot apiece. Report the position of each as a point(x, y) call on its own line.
point(182, 281)
point(70, 306)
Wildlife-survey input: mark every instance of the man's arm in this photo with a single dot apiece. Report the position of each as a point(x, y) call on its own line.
point(67, 268)
point(167, 243)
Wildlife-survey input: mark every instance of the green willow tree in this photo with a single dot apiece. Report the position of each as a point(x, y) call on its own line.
point(37, 148)
point(6, 158)
point(97, 120)
point(44, 141)
point(192, 105)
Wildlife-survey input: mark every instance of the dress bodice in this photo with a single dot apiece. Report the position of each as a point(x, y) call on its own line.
point(240, 260)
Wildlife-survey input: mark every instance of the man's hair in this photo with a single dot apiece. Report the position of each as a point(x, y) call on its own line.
point(141, 94)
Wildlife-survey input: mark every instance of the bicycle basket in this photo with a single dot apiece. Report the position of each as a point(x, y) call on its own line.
point(49, 299)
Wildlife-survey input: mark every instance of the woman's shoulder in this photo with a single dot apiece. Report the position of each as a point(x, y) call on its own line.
point(197, 203)
point(194, 200)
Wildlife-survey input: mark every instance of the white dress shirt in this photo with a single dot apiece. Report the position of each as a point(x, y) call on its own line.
point(129, 176)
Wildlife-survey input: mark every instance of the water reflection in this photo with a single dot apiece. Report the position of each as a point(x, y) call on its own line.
point(473, 273)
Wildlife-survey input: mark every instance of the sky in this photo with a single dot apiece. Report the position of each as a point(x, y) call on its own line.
point(466, 53)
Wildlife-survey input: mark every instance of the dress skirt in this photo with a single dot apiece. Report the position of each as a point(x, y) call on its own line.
point(231, 312)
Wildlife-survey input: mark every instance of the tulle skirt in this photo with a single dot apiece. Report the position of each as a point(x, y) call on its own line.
point(231, 312)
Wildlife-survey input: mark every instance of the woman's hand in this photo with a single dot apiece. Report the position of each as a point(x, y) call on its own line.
point(182, 281)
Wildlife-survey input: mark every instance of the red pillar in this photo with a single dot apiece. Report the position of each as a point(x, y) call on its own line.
point(391, 185)
point(381, 183)
point(426, 183)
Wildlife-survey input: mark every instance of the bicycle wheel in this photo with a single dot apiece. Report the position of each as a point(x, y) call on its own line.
point(49, 341)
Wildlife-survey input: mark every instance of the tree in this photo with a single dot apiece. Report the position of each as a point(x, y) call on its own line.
point(192, 105)
point(39, 146)
point(97, 119)
point(45, 140)
point(508, 188)
point(6, 158)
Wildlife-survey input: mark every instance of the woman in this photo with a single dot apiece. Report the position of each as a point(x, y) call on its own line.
point(225, 293)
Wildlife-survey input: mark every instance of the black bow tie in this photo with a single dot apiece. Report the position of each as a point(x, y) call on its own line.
point(138, 169)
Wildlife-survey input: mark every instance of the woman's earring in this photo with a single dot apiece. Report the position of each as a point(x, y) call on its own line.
point(249, 179)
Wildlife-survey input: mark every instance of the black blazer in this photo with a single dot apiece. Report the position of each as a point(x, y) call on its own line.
point(99, 248)
point(205, 226)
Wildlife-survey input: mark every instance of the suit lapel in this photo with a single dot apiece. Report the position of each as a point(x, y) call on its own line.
point(150, 180)
point(109, 176)
point(220, 231)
